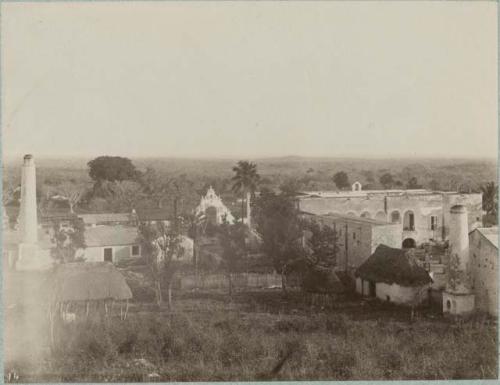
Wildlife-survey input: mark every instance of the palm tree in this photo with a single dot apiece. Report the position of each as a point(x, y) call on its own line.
point(490, 198)
point(245, 181)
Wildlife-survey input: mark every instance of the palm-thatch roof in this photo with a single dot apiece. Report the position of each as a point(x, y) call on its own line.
point(87, 281)
point(391, 265)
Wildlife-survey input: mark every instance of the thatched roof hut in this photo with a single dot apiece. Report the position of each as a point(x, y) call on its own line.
point(390, 265)
point(87, 281)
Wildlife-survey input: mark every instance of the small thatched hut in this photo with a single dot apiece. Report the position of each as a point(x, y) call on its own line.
point(393, 275)
point(89, 283)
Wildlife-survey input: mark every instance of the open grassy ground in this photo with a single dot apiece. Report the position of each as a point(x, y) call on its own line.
point(207, 337)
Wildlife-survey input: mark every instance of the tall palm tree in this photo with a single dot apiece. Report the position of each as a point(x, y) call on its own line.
point(245, 182)
point(490, 198)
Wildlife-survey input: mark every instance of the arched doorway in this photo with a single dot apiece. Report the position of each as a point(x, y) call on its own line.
point(211, 214)
point(409, 243)
point(409, 221)
point(380, 216)
point(395, 216)
point(365, 214)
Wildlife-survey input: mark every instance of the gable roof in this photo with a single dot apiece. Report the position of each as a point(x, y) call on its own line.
point(490, 233)
point(95, 219)
point(111, 236)
point(390, 265)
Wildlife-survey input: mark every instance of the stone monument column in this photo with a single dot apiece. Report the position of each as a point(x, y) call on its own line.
point(28, 223)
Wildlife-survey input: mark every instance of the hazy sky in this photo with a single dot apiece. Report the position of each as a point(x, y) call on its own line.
point(250, 78)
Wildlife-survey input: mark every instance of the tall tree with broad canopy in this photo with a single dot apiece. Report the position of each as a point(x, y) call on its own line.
point(245, 181)
point(341, 180)
point(280, 228)
point(112, 168)
point(387, 180)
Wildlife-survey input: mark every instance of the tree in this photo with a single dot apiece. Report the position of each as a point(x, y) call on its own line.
point(341, 180)
point(434, 185)
point(245, 181)
point(112, 168)
point(290, 187)
point(68, 241)
point(322, 244)
point(154, 186)
point(386, 180)
point(413, 183)
point(125, 195)
point(161, 247)
point(72, 192)
point(279, 226)
point(233, 242)
point(490, 199)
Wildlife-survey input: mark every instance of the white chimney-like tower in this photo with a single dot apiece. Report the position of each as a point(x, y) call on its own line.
point(28, 223)
point(458, 297)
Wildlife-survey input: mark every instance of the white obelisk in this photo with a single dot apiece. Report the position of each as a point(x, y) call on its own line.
point(28, 223)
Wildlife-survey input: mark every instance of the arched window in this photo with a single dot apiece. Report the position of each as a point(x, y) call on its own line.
point(395, 217)
point(409, 221)
point(380, 216)
point(365, 214)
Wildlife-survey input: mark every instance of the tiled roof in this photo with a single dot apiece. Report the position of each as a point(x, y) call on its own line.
point(110, 236)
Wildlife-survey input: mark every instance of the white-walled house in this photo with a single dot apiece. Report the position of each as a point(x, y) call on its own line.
point(393, 275)
point(111, 243)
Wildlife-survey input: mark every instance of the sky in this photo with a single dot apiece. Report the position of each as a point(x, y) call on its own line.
point(250, 79)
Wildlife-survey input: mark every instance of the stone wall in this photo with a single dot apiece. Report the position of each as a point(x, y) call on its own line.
point(388, 207)
point(484, 270)
point(358, 239)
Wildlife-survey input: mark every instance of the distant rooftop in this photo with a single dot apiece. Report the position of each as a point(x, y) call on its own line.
point(364, 193)
point(157, 214)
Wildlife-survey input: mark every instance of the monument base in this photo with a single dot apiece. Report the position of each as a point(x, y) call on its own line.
point(458, 303)
point(30, 258)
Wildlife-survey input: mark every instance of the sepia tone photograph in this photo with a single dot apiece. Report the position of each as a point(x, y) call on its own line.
point(227, 191)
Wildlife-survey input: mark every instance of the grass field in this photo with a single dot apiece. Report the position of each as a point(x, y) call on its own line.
point(262, 336)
